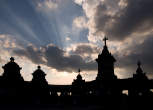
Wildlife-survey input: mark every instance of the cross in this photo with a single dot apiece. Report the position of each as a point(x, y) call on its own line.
point(105, 39)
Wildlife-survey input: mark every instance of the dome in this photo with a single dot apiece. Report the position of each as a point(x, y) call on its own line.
point(11, 65)
point(106, 55)
point(39, 77)
point(39, 72)
point(12, 71)
point(79, 77)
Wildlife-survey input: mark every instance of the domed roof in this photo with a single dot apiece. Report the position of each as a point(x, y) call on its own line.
point(79, 77)
point(39, 71)
point(11, 65)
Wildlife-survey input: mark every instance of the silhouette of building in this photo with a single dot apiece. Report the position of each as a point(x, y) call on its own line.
point(106, 64)
point(140, 75)
point(79, 81)
point(12, 72)
point(40, 86)
point(140, 83)
point(106, 91)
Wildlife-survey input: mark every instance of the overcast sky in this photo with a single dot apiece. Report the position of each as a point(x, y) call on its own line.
point(65, 35)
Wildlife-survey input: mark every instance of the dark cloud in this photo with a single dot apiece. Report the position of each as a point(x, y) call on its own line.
point(56, 58)
point(136, 17)
point(86, 49)
point(142, 52)
point(34, 54)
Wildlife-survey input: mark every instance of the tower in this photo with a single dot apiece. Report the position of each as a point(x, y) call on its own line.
point(78, 85)
point(140, 83)
point(78, 81)
point(40, 88)
point(39, 78)
point(12, 72)
point(105, 64)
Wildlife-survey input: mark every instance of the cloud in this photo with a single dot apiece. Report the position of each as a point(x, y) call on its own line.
point(67, 38)
point(79, 2)
point(136, 17)
point(50, 4)
point(128, 24)
point(118, 19)
point(55, 57)
point(7, 41)
point(82, 55)
point(31, 52)
point(85, 48)
point(121, 20)
point(133, 53)
point(87, 51)
point(80, 22)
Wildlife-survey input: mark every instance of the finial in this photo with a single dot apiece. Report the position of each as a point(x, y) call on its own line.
point(139, 63)
point(39, 67)
point(79, 77)
point(139, 70)
point(105, 39)
point(12, 59)
point(79, 70)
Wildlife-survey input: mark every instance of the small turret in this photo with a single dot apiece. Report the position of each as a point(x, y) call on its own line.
point(39, 76)
point(12, 71)
point(79, 80)
point(40, 88)
point(140, 83)
point(79, 77)
point(139, 70)
point(78, 85)
point(140, 75)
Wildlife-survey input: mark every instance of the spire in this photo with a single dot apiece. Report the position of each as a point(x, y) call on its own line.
point(79, 70)
point(105, 51)
point(105, 39)
point(139, 70)
point(140, 75)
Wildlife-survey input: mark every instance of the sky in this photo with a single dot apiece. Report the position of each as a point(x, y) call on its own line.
point(65, 35)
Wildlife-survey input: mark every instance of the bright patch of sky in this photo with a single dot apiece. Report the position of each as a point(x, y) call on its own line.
point(77, 28)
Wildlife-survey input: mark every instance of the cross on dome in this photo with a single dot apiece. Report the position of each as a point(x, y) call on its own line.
point(105, 39)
